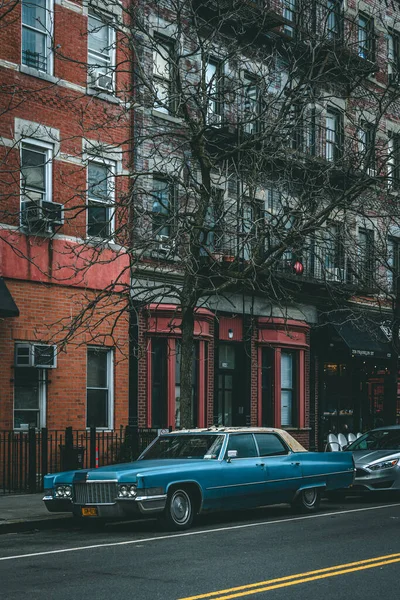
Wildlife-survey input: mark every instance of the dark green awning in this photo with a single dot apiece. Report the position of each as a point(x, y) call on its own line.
point(364, 338)
point(8, 308)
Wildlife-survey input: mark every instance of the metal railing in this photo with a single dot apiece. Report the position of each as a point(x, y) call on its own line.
point(26, 456)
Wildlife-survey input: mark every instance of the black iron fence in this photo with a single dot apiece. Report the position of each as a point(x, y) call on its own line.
point(26, 456)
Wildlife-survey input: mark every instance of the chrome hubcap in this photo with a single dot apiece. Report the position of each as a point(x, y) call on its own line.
point(309, 497)
point(180, 507)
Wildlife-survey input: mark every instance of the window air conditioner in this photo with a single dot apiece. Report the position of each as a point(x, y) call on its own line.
point(101, 81)
point(164, 246)
point(334, 274)
point(31, 212)
point(41, 215)
point(41, 356)
point(53, 212)
point(214, 119)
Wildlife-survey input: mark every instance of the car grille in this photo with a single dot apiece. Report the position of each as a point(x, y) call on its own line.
point(361, 473)
point(95, 493)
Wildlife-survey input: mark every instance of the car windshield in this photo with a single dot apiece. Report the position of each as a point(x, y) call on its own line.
point(185, 446)
point(381, 439)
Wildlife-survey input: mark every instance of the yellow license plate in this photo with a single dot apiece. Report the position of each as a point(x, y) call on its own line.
point(89, 511)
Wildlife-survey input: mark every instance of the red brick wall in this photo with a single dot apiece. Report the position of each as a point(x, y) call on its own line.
point(41, 308)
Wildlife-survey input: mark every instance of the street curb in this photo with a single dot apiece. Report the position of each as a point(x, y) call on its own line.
point(21, 525)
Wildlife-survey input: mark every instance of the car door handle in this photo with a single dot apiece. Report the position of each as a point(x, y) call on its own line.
point(260, 464)
point(296, 463)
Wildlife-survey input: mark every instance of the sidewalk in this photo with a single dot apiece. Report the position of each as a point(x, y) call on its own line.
point(24, 512)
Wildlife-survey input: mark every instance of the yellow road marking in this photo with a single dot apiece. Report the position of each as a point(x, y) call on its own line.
point(289, 580)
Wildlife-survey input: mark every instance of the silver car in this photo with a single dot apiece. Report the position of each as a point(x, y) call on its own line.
point(377, 460)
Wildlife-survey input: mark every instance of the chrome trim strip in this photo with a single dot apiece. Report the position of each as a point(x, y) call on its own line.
point(86, 481)
point(219, 487)
point(95, 504)
point(145, 498)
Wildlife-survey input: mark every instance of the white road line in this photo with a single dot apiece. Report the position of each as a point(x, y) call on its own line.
point(193, 533)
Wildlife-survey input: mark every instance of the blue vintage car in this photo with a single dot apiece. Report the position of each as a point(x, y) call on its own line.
point(184, 473)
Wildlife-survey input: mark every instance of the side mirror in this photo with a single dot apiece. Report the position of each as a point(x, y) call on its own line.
point(231, 454)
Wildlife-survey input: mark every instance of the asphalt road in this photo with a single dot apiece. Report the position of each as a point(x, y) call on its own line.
point(348, 551)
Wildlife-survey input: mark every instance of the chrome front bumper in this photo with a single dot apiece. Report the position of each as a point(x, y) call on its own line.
point(121, 508)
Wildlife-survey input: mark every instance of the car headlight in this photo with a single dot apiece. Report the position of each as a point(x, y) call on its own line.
point(385, 464)
point(127, 491)
point(63, 491)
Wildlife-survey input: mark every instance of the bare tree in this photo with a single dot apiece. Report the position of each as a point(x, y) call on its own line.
point(257, 140)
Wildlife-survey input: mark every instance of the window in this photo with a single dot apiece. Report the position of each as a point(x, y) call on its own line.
point(163, 76)
point(333, 19)
point(159, 382)
point(288, 389)
point(36, 167)
point(252, 105)
point(394, 159)
point(296, 127)
point(393, 53)
point(289, 13)
point(213, 81)
point(29, 397)
point(366, 37)
point(269, 444)
point(99, 406)
point(333, 133)
point(366, 138)
point(100, 212)
point(366, 256)
point(36, 175)
point(101, 54)
point(334, 252)
point(393, 258)
point(244, 445)
point(163, 194)
point(193, 408)
point(36, 34)
point(214, 223)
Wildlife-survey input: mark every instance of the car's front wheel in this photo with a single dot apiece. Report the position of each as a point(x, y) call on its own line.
point(179, 511)
point(307, 501)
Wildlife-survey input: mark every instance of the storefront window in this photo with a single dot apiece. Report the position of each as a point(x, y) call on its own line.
point(159, 408)
point(288, 390)
point(178, 356)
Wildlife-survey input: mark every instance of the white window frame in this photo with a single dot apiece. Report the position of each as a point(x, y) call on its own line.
point(104, 64)
point(289, 415)
point(49, 32)
point(164, 105)
point(42, 400)
point(331, 141)
point(363, 147)
point(110, 381)
point(289, 13)
point(365, 36)
point(48, 151)
point(213, 81)
point(112, 170)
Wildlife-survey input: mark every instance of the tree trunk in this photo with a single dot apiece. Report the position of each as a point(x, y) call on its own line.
point(187, 352)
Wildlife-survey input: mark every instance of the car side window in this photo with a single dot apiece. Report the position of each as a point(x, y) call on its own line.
point(269, 444)
point(244, 444)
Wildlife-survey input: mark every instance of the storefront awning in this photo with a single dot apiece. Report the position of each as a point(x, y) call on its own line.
point(8, 308)
point(364, 339)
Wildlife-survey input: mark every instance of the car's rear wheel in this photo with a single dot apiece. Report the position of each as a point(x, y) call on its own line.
point(179, 511)
point(308, 500)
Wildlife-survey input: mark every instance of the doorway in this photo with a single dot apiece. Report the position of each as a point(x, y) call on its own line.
point(233, 403)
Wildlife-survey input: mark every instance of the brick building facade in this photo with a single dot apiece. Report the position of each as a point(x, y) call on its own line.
point(64, 132)
point(85, 129)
